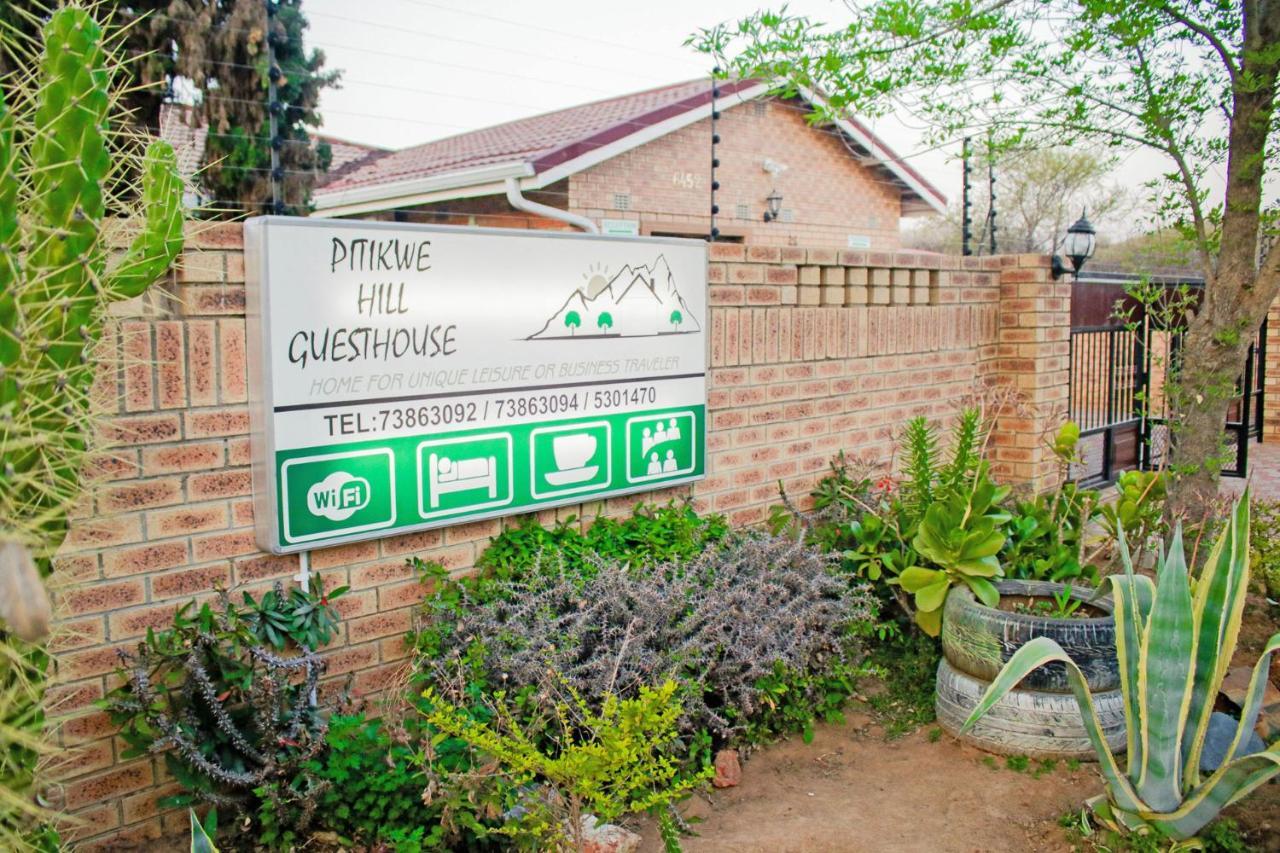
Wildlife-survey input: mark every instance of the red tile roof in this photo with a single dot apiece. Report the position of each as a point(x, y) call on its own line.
point(543, 140)
point(551, 139)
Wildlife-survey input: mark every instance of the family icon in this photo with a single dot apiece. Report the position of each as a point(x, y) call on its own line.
point(660, 434)
point(666, 466)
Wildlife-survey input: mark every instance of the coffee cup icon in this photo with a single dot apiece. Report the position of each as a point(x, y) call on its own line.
point(572, 452)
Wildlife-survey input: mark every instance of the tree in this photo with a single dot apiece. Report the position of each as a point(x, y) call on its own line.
point(214, 54)
point(676, 319)
point(572, 321)
point(1194, 82)
point(604, 321)
point(1039, 192)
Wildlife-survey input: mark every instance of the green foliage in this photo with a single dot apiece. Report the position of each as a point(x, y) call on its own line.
point(607, 762)
point(374, 785)
point(650, 535)
point(907, 670)
point(960, 537)
point(920, 466)
point(202, 833)
point(1264, 546)
point(1138, 509)
point(233, 720)
point(1174, 646)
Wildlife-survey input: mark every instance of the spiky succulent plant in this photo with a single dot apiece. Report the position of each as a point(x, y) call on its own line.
point(66, 182)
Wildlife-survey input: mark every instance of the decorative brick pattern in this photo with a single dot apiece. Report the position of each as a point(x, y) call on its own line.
point(793, 380)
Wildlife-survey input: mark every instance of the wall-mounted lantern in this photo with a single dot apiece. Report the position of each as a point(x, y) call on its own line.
point(773, 206)
point(1078, 246)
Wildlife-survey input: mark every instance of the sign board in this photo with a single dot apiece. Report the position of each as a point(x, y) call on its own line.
point(620, 227)
point(410, 376)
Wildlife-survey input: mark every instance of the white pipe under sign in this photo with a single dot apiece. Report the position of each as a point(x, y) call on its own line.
point(303, 577)
point(519, 202)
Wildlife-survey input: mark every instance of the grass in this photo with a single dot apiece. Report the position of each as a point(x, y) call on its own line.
point(907, 668)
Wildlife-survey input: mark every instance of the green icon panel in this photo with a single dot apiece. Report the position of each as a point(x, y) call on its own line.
point(338, 494)
point(569, 459)
point(385, 486)
point(661, 446)
point(464, 475)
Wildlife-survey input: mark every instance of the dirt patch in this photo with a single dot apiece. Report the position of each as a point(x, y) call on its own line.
point(852, 790)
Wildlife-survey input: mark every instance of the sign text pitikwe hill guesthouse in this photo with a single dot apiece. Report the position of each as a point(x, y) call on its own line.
point(409, 376)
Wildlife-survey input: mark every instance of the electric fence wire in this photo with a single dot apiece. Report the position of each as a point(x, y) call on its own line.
point(831, 131)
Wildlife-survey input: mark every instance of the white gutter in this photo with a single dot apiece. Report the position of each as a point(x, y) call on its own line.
point(377, 196)
point(519, 202)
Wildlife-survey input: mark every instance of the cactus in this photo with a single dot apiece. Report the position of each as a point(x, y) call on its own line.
point(61, 163)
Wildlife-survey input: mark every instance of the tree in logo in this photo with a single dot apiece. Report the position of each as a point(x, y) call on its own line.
point(605, 322)
point(676, 319)
point(572, 321)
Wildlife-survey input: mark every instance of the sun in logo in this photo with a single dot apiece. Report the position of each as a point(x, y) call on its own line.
point(597, 279)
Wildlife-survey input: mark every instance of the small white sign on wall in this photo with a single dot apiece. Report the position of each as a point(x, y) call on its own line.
point(620, 227)
point(859, 241)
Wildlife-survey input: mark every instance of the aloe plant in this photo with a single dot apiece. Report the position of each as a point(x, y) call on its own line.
point(1174, 642)
point(60, 162)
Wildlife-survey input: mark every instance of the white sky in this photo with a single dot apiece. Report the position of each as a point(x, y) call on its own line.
point(417, 70)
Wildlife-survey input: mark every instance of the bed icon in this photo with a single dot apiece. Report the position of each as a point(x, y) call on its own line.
point(464, 475)
point(461, 475)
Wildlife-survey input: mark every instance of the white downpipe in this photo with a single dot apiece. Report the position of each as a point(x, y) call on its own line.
point(303, 577)
point(519, 202)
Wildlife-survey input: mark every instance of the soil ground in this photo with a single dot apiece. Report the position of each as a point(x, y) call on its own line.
point(851, 789)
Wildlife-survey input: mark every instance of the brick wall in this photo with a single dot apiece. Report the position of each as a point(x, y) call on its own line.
point(825, 191)
point(664, 186)
point(812, 352)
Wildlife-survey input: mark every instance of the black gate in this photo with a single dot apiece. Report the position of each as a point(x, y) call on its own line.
point(1117, 385)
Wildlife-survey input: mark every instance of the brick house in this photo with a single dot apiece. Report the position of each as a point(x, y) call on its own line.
point(641, 164)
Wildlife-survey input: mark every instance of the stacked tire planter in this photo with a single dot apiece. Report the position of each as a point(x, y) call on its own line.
point(1040, 718)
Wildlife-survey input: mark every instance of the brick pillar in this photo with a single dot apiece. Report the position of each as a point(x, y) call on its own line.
point(1271, 390)
point(1033, 356)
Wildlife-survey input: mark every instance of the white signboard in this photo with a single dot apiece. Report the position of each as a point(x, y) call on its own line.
point(411, 376)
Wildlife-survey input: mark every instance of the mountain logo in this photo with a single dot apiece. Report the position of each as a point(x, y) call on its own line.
point(638, 301)
point(338, 496)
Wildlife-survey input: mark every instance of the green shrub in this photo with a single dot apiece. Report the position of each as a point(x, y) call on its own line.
point(232, 718)
point(373, 790)
point(607, 760)
point(1264, 546)
point(759, 632)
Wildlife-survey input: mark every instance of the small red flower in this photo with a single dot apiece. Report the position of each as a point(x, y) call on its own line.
point(324, 601)
point(885, 484)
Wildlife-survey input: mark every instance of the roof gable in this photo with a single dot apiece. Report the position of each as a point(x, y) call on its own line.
point(545, 148)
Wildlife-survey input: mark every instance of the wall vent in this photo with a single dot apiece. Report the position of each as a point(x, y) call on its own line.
point(787, 215)
point(622, 201)
point(742, 211)
point(760, 109)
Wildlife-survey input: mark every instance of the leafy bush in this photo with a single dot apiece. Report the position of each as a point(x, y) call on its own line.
point(233, 719)
point(945, 521)
point(758, 631)
point(372, 786)
point(605, 760)
point(1264, 545)
point(652, 534)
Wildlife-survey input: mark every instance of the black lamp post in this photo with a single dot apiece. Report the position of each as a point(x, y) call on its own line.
point(774, 208)
point(1078, 246)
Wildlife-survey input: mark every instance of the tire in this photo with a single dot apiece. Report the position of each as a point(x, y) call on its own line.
point(1026, 722)
point(977, 640)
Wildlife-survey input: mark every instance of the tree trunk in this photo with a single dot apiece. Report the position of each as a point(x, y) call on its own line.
point(1237, 292)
